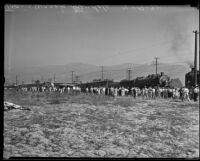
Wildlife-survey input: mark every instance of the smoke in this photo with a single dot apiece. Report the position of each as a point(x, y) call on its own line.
point(190, 64)
point(177, 31)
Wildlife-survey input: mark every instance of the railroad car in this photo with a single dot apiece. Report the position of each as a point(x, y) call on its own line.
point(189, 78)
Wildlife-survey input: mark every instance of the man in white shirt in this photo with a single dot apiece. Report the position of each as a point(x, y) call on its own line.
point(115, 91)
point(153, 93)
point(186, 94)
point(87, 90)
point(103, 90)
point(123, 91)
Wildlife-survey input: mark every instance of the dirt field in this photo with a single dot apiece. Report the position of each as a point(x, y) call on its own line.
point(99, 126)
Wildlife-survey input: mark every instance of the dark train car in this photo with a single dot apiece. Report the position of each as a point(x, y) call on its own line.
point(10, 87)
point(189, 78)
point(114, 84)
point(61, 85)
point(28, 86)
point(126, 83)
point(97, 83)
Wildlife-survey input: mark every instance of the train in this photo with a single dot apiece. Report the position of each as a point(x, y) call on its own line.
point(189, 78)
point(152, 80)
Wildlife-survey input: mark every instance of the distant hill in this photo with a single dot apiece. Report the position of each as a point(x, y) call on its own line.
point(88, 72)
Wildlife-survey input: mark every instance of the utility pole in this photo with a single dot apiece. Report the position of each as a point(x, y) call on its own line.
point(72, 76)
point(156, 64)
point(129, 73)
point(195, 58)
point(199, 71)
point(16, 80)
point(54, 78)
point(102, 73)
point(77, 79)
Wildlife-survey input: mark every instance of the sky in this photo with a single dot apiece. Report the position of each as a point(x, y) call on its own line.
point(100, 35)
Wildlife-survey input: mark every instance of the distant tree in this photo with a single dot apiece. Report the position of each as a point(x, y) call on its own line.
point(175, 83)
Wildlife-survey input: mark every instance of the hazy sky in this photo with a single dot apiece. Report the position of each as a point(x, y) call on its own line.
point(101, 35)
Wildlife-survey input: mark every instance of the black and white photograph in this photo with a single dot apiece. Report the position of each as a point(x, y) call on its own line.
point(101, 81)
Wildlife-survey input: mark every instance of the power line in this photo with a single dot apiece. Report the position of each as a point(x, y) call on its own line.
point(82, 75)
point(116, 70)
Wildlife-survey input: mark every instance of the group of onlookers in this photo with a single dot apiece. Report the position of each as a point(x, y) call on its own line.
point(60, 89)
point(183, 93)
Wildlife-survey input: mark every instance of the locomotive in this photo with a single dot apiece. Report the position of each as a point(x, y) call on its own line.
point(189, 78)
point(151, 80)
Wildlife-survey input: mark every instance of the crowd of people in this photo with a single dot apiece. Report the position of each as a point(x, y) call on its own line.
point(184, 93)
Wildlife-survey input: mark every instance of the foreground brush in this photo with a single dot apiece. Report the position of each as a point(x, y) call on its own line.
point(10, 106)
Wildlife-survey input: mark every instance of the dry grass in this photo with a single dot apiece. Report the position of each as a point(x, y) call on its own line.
point(100, 126)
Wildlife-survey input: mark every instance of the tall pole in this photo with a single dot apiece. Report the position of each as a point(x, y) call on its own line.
point(156, 64)
point(72, 76)
point(54, 78)
point(195, 58)
point(102, 73)
point(16, 80)
point(77, 79)
point(129, 73)
point(199, 71)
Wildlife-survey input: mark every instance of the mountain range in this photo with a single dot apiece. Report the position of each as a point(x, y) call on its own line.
point(89, 72)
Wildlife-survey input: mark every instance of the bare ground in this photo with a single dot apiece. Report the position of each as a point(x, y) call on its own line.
point(98, 126)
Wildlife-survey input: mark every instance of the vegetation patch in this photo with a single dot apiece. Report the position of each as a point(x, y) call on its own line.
point(100, 126)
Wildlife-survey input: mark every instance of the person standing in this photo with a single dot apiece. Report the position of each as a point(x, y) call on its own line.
point(115, 92)
point(153, 93)
point(195, 93)
point(123, 91)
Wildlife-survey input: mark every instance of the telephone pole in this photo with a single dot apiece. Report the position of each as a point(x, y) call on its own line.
point(77, 79)
point(16, 80)
point(156, 64)
point(129, 73)
point(102, 73)
point(54, 78)
point(195, 58)
point(72, 76)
